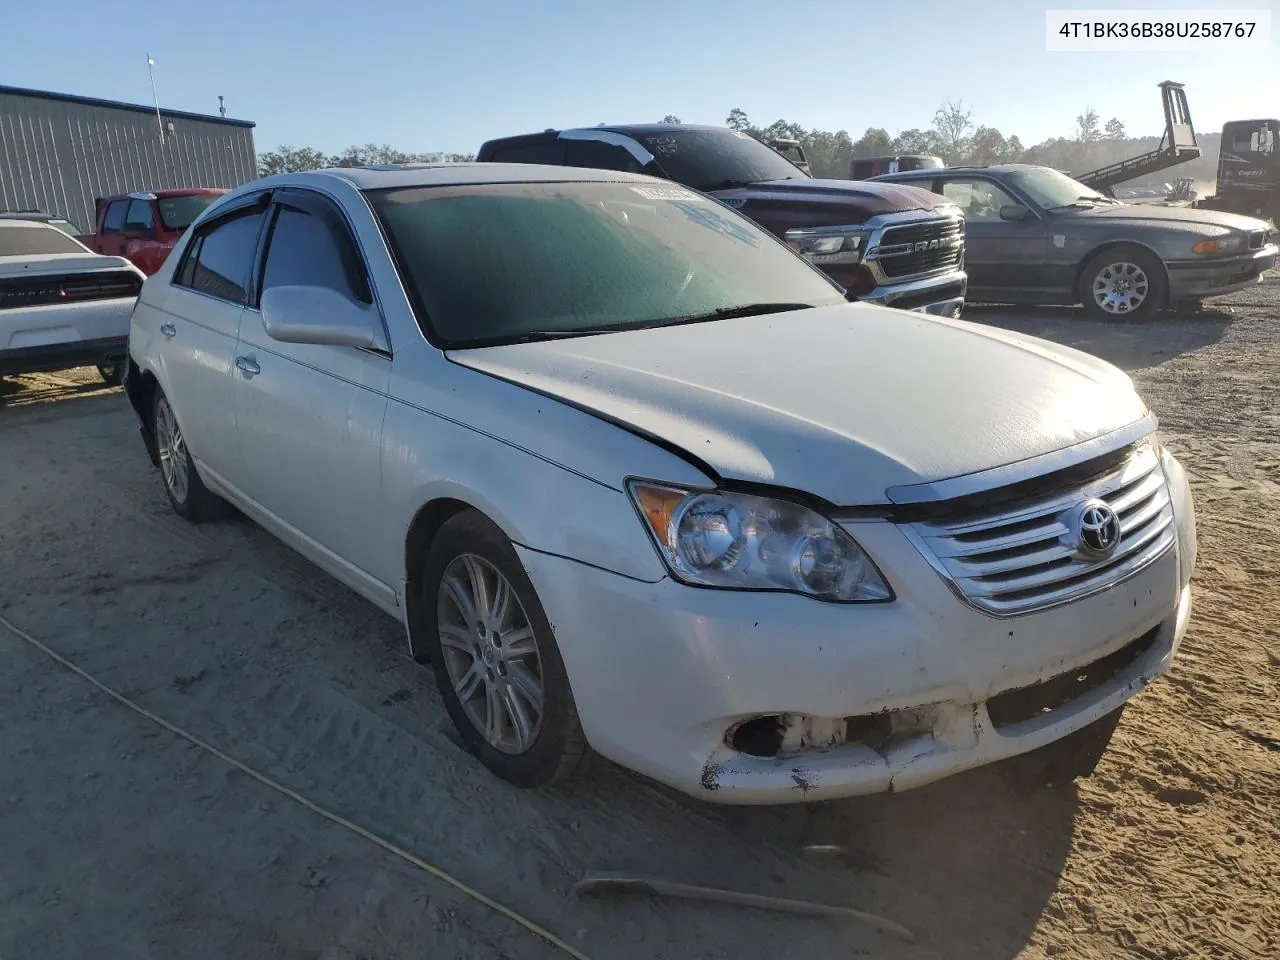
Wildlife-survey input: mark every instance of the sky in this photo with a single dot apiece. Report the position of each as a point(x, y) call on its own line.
point(445, 76)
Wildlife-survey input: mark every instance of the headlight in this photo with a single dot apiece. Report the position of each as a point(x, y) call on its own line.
point(1232, 244)
point(736, 541)
point(829, 244)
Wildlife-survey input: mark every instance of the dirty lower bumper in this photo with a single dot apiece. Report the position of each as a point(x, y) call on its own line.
point(959, 737)
point(62, 356)
point(1194, 279)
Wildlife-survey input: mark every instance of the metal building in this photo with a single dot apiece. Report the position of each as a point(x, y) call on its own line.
point(58, 152)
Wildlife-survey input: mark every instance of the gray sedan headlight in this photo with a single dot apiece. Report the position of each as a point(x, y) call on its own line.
point(1230, 243)
point(737, 541)
point(829, 244)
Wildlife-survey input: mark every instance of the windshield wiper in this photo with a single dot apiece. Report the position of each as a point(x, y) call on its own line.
point(727, 185)
point(729, 313)
point(719, 313)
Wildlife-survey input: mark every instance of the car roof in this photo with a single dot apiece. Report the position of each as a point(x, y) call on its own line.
point(29, 215)
point(156, 194)
point(626, 129)
point(930, 172)
point(455, 174)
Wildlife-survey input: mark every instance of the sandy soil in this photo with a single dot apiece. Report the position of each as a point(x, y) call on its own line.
point(121, 840)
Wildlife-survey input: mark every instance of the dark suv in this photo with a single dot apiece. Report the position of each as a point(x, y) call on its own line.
point(900, 246)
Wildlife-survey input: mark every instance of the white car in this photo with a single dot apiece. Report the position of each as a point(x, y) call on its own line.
point(61, 304)
point(636, 478)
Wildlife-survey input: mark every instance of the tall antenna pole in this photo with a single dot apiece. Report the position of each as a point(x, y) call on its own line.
point(154, 99)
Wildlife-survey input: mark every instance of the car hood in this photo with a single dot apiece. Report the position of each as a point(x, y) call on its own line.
point(841, 201)
point(840, 402)
point(1176, 217)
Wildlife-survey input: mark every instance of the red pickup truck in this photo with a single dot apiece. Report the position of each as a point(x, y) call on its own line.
point(143, 227)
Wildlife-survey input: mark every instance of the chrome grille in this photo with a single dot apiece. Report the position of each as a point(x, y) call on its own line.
point(918, 249)
point(1025, 557)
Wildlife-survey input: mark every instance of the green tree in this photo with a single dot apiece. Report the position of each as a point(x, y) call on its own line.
point(874, 142)
point(1114, 130)
point(917, 141)
point(737, 120)
point(290, 159)
point(671, 118)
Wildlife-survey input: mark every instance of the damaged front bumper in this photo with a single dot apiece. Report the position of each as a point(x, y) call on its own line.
point(862, 698)
point(943, 739)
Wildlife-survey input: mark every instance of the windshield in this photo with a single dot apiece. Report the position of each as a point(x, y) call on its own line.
point(495, 263)
point(711, 159)
point(28, 240)
point(1052, 190)
point(176, 213)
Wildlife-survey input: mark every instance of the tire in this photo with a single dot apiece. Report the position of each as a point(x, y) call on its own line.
point(112, 372)
point(187, 494)
point(1063, 761)
point(480, 669)
point(1125, 284)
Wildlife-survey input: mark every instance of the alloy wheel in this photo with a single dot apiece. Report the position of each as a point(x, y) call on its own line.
point(175, 464)
point(1120, 288)
point(490, 654)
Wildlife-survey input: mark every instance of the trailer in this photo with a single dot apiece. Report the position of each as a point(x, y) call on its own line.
point(1178, 145)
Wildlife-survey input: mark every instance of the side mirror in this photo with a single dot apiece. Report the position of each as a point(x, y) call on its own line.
point(304, 314)
point(138, 231)
point(1014, 212)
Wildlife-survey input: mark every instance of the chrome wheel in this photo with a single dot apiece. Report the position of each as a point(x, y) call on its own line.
point(490, 654)
point(175, 465)
point(1120, 288)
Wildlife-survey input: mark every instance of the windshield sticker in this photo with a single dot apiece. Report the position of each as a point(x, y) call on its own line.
point(668, 193)
point(663, 146)
point(717, 220)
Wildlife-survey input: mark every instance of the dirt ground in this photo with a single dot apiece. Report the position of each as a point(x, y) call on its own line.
point(119, 839)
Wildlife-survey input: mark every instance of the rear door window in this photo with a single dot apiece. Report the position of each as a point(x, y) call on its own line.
point(114, 219)
point(599, 156)
point(140, 215)
point(219, 260)
point(547, 152)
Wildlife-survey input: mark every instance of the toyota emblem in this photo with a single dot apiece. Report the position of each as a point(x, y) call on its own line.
point(1097, 528)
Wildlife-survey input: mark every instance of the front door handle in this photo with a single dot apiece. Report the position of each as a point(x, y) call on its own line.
point(248, 366)
point(168, 329)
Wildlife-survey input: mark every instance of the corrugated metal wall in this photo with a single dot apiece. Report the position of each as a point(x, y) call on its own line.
point(58, 155)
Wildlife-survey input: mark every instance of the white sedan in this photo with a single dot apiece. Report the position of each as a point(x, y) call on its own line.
point(61, 304)
point(639, 480)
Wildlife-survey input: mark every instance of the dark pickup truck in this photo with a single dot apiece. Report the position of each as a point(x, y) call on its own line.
point(900, 246)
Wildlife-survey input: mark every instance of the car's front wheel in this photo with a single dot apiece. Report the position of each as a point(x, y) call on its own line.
point(1125, 283)
point(188, 495)
point(495, 658)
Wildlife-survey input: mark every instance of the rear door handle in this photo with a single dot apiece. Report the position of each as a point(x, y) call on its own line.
point(168, 329)
point(248, 365)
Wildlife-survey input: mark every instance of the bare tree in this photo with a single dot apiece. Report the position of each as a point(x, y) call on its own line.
point(952, 123)
point(1087, 129)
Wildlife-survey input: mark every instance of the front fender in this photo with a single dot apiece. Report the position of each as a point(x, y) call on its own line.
point(537, 504)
